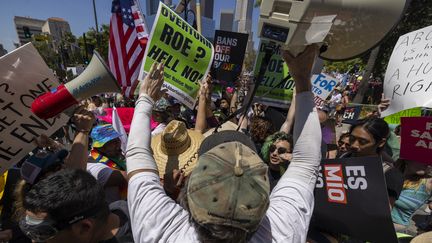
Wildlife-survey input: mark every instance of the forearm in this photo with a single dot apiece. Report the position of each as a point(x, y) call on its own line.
point(139, 156)
point(289, 122)
point(201, 121)
point(78, 155)
point(307, 141)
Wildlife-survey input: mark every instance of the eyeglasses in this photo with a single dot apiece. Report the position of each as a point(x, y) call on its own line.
point(280, 150)
point(41, 230)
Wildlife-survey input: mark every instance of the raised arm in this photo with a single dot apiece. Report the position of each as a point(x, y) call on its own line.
point(203, 105)
point(289, 121)
point(151, 210)
point(292, 200)
point(78, 156)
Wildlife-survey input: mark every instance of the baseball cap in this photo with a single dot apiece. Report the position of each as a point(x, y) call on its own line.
point(40, 162)
point(161, 105)
point(229, 186)
point(102, 134)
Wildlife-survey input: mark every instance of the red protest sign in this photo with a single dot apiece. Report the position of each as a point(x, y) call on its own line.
point(416, 139)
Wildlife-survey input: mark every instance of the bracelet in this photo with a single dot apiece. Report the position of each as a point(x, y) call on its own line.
point(83, 131)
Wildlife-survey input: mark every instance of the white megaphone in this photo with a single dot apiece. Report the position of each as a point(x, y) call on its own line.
point(95, 79)
point(348, 28)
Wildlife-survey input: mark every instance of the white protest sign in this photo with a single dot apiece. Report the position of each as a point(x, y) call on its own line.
point(322, 86)
point(23, 76)
point(408, 79)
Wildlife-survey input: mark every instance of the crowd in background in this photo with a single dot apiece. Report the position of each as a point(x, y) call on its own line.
point(84, 185)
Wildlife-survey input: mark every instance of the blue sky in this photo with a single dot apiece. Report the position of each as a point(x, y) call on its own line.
point(79, 14)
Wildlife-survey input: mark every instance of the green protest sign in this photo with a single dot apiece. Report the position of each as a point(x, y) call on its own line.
point(187, 55)
point(277, 70)
point(395, 118)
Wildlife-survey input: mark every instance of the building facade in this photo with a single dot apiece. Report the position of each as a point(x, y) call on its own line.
point(57, 29)
point(27, 27)
point(207, 22)
point(243, 20)
point(226, 20)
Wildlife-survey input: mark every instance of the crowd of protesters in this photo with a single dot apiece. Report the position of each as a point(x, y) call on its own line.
point(202, 175)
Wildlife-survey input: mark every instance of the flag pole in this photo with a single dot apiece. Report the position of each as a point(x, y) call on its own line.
point(198, 15)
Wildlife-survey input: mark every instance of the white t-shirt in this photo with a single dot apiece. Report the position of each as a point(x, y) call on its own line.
point(158, 129)
point(102, 173)
point(155, 217)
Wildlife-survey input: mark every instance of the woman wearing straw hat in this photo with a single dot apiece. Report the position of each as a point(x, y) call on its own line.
point(175, 153)
point(175, 149)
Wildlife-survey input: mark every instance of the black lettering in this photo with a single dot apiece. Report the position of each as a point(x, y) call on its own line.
point(38, 125)
point(414, 84)
point(9, 106)
point(8, 151)
point(154, 52)
point(430, 83)
point(167, 33)
point(25, 103)
point(416, 70)
point(164, 11)
point(21, 136)
point(396, 88)
point(406, 88)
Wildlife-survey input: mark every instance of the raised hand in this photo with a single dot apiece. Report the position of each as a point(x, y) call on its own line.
point(152, 83)
point(300, 67)
point(83, 119)
point(384, 104)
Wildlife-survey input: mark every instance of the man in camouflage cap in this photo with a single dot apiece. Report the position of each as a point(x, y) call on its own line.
point(227, 195)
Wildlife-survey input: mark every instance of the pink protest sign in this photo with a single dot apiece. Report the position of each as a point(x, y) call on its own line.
point(126, 115)
point(416, 139)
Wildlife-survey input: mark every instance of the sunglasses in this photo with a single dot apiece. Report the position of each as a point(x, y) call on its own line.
point(280, 150)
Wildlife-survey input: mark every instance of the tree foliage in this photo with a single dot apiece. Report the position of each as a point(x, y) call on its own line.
point(417, 16)
point(92, 43)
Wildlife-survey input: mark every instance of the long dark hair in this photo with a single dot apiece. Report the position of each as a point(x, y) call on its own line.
point(377, 127)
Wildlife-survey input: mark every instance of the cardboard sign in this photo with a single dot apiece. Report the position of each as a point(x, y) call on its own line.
point(396, 118)
point(408, 78)
point(323, 85)
point(416, 139)
point(229, 54)
point(187, 55)
point(351, 199)
point(354, 112)
point(277, 70)
point(23, 76)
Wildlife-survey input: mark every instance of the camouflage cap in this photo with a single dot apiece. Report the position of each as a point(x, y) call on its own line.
point(229, 186)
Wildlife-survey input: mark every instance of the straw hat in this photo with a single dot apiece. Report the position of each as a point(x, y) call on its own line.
point(176, 148)
point(425, 237)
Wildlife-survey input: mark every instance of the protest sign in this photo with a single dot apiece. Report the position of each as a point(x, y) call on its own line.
point(277, 70)
point(354, 112)
point(396, 118)
point(187, 55)
point(351, 199)
point(323, 85)
point(416, 139)
point(408, 78)
point(229, 53)
point(23, 76)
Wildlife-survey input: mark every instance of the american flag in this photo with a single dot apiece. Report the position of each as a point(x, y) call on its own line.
point(128, 40)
